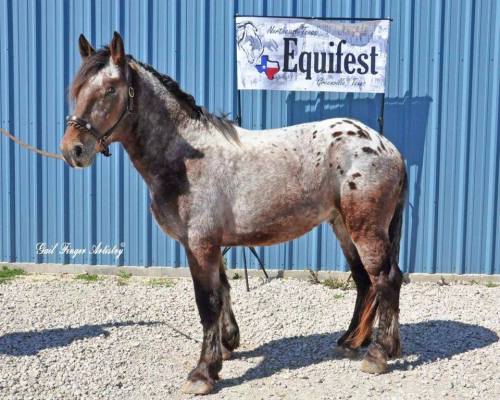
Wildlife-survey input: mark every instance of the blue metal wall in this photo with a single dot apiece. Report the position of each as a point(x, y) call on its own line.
point(442, 111)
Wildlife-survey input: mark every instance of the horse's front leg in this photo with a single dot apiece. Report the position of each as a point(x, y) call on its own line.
point(230, 333)
point(204, 260)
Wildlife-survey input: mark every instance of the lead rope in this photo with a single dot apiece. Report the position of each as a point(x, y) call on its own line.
point(29, 147)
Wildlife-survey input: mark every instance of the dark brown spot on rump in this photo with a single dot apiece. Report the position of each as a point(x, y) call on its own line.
point(356, 175)
point(351, 133)
point(369, 150)
point(363, 134)
point(352, 185)
point(337, 134)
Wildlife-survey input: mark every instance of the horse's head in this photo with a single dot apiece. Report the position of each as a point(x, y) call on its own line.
point(249, 41)
point(103, 95)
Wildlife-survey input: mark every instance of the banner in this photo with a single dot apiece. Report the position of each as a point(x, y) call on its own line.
point(278, 53)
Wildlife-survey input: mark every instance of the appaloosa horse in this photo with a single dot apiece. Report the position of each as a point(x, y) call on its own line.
point(214, 184)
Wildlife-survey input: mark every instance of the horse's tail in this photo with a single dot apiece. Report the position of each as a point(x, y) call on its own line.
point(368, 313)
point(397, 222)
point(370, 306)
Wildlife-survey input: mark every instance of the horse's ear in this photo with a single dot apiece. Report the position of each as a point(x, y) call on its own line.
point(117, 50)
point(240, 32)
point(85, 47)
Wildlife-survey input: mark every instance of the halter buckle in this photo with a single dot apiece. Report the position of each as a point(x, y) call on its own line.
point(104, 147)
point(131, 92)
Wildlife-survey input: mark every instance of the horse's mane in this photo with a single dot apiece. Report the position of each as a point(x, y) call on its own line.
point(97, 61)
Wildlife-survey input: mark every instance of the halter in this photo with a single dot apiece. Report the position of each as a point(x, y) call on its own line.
point(85, 126)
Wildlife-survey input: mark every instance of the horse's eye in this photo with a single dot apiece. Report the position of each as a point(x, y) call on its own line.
point(110, 90)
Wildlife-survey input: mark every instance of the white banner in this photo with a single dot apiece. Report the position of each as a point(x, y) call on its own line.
point(279, 53)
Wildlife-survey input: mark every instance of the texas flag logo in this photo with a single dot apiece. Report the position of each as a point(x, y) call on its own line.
point(270, 68)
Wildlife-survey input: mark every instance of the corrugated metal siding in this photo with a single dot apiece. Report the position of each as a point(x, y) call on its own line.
point(442, 111)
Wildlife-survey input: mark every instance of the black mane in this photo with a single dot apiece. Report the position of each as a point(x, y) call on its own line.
point(97, 61)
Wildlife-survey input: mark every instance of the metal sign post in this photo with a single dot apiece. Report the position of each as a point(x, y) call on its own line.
point(380, 119)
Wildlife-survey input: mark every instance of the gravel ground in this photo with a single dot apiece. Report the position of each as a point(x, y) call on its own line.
point(65, 339)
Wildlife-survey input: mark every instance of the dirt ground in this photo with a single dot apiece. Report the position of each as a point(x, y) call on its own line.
point(138, 338)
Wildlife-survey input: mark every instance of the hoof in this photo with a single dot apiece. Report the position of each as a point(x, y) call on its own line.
point(375, 360)
point(373, 367)
point(196, 387)
point(226, 354)
point(347, 352)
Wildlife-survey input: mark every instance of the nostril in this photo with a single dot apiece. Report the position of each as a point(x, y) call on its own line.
point(77, 151)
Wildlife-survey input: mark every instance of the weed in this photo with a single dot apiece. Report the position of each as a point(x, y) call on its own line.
point(87, 277)
point(122, 274)
point(236, 276)
point(161, 282)
point(338, 296)
point(491, 284)
point(335, 283)
point(7, 274)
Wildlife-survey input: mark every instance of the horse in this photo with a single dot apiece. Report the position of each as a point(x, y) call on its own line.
point(249, 41)
point(215, 184)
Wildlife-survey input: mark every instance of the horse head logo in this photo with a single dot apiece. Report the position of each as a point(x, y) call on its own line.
point(249, 41)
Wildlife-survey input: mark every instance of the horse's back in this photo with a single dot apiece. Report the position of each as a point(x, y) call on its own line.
point(327, 148)
point(328, 131)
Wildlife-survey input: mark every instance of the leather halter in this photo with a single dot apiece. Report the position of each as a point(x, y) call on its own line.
point(85, 126)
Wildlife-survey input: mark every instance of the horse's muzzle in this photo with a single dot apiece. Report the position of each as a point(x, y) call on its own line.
point(77, 155)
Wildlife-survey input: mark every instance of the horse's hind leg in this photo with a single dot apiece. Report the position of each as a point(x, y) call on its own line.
point(363, 286)
point(204, 261)
point(386, 278)
point(230, 333)
point(374, 227)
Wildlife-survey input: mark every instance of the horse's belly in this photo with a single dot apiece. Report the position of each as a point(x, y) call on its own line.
point(265, 230)
point(265, 237)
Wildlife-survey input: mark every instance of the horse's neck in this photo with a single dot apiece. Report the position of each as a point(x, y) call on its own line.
point(157, 142)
